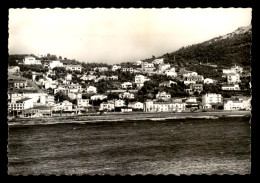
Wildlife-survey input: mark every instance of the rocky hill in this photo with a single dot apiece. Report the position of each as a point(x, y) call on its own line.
point(225, 51)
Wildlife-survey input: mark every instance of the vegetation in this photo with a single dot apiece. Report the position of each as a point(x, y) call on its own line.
point(223, 52)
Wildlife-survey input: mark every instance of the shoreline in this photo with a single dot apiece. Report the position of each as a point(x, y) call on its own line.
point(136, 116)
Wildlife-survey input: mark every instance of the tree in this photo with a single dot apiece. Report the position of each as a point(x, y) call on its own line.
point(60, 97)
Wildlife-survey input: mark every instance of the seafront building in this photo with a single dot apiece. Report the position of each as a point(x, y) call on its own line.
point(83, 103)
point(107, 106)
point(20, 105)
point(210, 99)
point(152, 106)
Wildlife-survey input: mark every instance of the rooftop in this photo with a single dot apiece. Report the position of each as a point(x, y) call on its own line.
point(22, 100)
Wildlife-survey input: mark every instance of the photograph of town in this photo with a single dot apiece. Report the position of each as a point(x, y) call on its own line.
point(129, 91)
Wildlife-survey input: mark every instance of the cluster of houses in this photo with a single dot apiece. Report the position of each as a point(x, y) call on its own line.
point(29, 103)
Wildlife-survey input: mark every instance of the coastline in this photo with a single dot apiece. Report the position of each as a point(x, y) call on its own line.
point(133, 116)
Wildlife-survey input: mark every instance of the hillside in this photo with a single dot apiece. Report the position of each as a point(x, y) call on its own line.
point(225, 51)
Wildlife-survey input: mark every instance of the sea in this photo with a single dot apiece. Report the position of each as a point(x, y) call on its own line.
point(164, 146)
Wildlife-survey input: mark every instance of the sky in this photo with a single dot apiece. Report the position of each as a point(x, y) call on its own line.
point(117, 35)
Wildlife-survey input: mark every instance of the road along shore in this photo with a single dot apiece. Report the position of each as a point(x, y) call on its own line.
point(112, 117)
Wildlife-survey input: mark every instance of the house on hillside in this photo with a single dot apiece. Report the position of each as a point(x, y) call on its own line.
point(55, 63)
point(194, 88)
point(91, 89)
point(140, 79)
point(171, 73)
point(98, 97)
point(127, 95)
point(73, 67)
point(234, 87)
point(208, 81)
point(115, 67)
point(158, 61)
point(167, 83)
point(138, 62)
point(29, 60)
point(128, 69)
point(164, 67)
point(146, 66)
point(233, 78)
point(163, 96)
point(126, 85)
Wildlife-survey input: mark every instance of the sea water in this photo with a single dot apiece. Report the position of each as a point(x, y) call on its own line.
point(170, 146)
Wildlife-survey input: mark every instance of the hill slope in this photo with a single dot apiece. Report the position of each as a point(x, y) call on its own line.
point(227, 50)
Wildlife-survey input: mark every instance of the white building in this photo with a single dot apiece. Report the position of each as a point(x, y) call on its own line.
point(36, 97)
point(189, 73)
point(73, 95)
point(50, 84)
point(151, 106)
point(163, 96)
point(147, 66)
point(230, 87)
point(171, 73)
point(83, 103)
point(158, 61)
point(233, 78)
point(91, 89)
point(140, 79)
point(101, 69)
point(237, 69)
point(65, 106)
point(119, 103)
point(164, 67)
point(233, 70)
point(167, 83)
point(41, 55)
point(88, 77)
point(68, 77)
point(20, 105)
point(211, 99)
point(29, 60)
point(128, 69)
point(50, 100)
point(107, 106)
point(13, 69)
point(208, 81)
point(112, 77)
point(96, 97)
point(127, 95)
point(136, 105)
point(115, 67)
point(55, 63)
point(138, 62)
point(191, 100)
point(233, 105)
point(126, 85)
point(73, 67)
point(189, 82)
